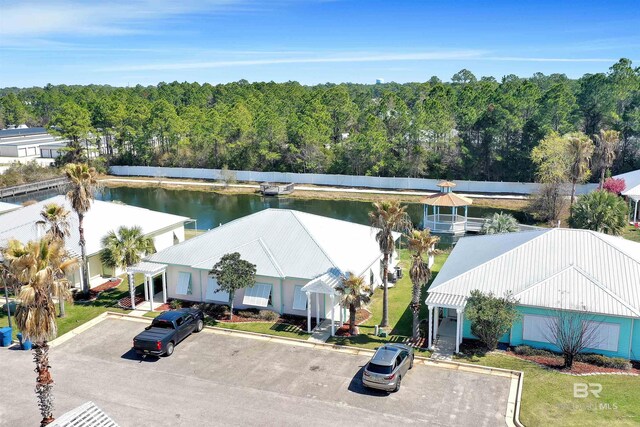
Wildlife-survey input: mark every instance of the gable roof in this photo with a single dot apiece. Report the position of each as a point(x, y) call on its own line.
point(101, 218)
point(555, 268)
point(632, 181)
point(281, 243)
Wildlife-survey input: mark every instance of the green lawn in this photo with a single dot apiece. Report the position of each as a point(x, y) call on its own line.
point(631, 233)
point(270, 328)
point(79, 313)
point(547, 396)
point(400, 316)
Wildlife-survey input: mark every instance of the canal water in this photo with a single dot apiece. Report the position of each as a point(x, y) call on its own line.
point(212, 209)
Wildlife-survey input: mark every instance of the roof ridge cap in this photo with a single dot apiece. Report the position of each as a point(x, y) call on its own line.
point(623, 252)
point(546, 279)
point(608, 291)
point(304, 227)
point(270, 256)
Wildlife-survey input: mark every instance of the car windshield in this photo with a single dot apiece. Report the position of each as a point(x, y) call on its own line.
point(379, 369)
point(159, 323)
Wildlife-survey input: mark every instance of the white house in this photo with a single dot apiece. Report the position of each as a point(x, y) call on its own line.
point(632, 193)
point(545, 270)
point(299, 259)
point(166, 229)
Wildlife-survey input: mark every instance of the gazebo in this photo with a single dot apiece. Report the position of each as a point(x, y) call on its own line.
point(448, 221)
point(149, 270)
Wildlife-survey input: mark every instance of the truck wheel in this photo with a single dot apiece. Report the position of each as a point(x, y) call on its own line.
point(411, 364)
point(169, 350)
point(199, 325)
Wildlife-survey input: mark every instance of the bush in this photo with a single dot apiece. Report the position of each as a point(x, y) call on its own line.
point(175, 304)
point(215, 310)
point(491, 317)
point(600, 211)
point(525, 350)
point(614, 185)
point(604, 361)
point(268, 315)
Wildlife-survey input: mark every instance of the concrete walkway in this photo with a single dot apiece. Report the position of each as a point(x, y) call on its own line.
point(445, 343)
point(169, 181)
point(322, 332)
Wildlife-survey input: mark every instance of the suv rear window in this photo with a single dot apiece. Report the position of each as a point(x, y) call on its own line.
point(379, 369)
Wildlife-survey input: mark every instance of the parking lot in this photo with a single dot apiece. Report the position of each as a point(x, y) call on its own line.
point(214, 379)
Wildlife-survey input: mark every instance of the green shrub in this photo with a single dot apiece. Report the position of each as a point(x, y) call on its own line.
point(525, 350)
point(268, 315)
point(604, 361)
point(175, 304)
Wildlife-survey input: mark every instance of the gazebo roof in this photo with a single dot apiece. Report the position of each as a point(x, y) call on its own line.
point(449, 199)
point(446, 184)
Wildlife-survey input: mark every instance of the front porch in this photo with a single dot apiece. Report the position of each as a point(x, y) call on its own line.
point(445, 335)
point(321, 287)
point(149, 270)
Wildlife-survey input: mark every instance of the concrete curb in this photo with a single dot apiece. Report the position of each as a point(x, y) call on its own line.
point(512, 417)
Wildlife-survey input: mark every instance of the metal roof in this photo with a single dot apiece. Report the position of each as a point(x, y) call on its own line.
point(98, 221)
point(4, 133)
point(86, 415)
point(632, 181)
point(555, 268)
point(281, 243)
point(325, 283)
point(8, 207)
point(150, 268)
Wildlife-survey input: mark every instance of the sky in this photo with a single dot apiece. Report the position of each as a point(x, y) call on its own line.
point(129, 42)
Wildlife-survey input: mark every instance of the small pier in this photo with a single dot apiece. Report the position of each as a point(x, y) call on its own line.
point(32, 187)
point(272, 189)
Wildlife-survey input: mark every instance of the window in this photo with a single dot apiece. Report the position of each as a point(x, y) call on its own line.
point(184, 283)
point(179, 321)
point(212, 295)
point(602, 336)
point(258, 295)
point(299, 299)
point(537, 328)
point(379, 369)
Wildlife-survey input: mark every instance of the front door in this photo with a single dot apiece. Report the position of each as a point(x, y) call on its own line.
point(451, 313)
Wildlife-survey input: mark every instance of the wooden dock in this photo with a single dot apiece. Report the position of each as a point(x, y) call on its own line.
point(271, 189)
point(32, 187)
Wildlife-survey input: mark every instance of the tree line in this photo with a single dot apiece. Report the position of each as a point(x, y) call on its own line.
point(468, 128)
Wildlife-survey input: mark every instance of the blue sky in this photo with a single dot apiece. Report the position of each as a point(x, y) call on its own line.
point(126, 42)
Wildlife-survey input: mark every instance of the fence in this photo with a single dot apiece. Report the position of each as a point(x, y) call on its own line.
point(387, 183)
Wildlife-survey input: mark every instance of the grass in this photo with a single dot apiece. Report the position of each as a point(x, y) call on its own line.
point(79, 313)
point(547, 396)
point(400, 315)
point(269, 328)
point(631, 233)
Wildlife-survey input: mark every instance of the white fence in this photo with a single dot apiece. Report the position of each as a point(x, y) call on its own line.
point(335, 180)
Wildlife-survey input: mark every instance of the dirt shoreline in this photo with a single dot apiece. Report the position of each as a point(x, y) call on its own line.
point(113, 181)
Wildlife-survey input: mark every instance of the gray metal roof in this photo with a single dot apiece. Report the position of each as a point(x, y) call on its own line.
point(5, 133)
point(8, 207)
point(555, 268)
point(98, 221)
point(86, 415)
point(281, 243)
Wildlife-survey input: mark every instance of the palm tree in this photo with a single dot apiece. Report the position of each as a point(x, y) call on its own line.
point(387, 217)
point(580, 150)
point(41, 267)
point(125, 247)
point(56, 218)
point(499, 223)
point(600, 211)
point(607, 142)
point(420, 243)
point(83, 184)
point(354, 293)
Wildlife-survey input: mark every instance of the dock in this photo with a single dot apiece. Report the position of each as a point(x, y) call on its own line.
point(272, 189)
point(32, 187)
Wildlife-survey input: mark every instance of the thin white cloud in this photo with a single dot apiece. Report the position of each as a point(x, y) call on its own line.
point(537, 59)
point(32, 19)
point(344, 58)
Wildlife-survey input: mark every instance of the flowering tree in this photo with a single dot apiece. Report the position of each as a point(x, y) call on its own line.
point(614, 185)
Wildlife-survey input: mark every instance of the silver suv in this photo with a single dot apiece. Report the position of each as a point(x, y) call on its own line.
point(387, 367)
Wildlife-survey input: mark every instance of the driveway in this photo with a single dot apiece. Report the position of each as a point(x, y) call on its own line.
point(214, 379)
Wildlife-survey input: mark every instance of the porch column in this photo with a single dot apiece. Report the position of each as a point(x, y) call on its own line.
point(458, 320)
point(461, 325)
point(466, 219)
point(164, 286)
point(317, 308)
point(635, 212)
point(146, 290)
point(309, 312)
point(436, 320)
point(333, 315)
point(434, 217)
point(150, 292)
point(429, 326)
point(132, 291)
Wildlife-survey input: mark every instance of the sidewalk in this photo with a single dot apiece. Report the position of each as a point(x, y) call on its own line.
point(322, 332)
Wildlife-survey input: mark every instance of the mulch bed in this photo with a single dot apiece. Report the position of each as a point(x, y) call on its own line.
point(104, 287)
point(126, 302)
point(343, 331)
point(578, 368)
point(163, 307)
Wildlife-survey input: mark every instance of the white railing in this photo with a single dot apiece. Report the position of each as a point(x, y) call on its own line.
point(388, 183)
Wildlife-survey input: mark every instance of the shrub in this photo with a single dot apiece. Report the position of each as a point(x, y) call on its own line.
point(175, 304)
point(491, 317)
point(215, 310)
point(614, 185)
point(525, 350)
point(600, 211)
point(268, 315)
point(604, 361)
